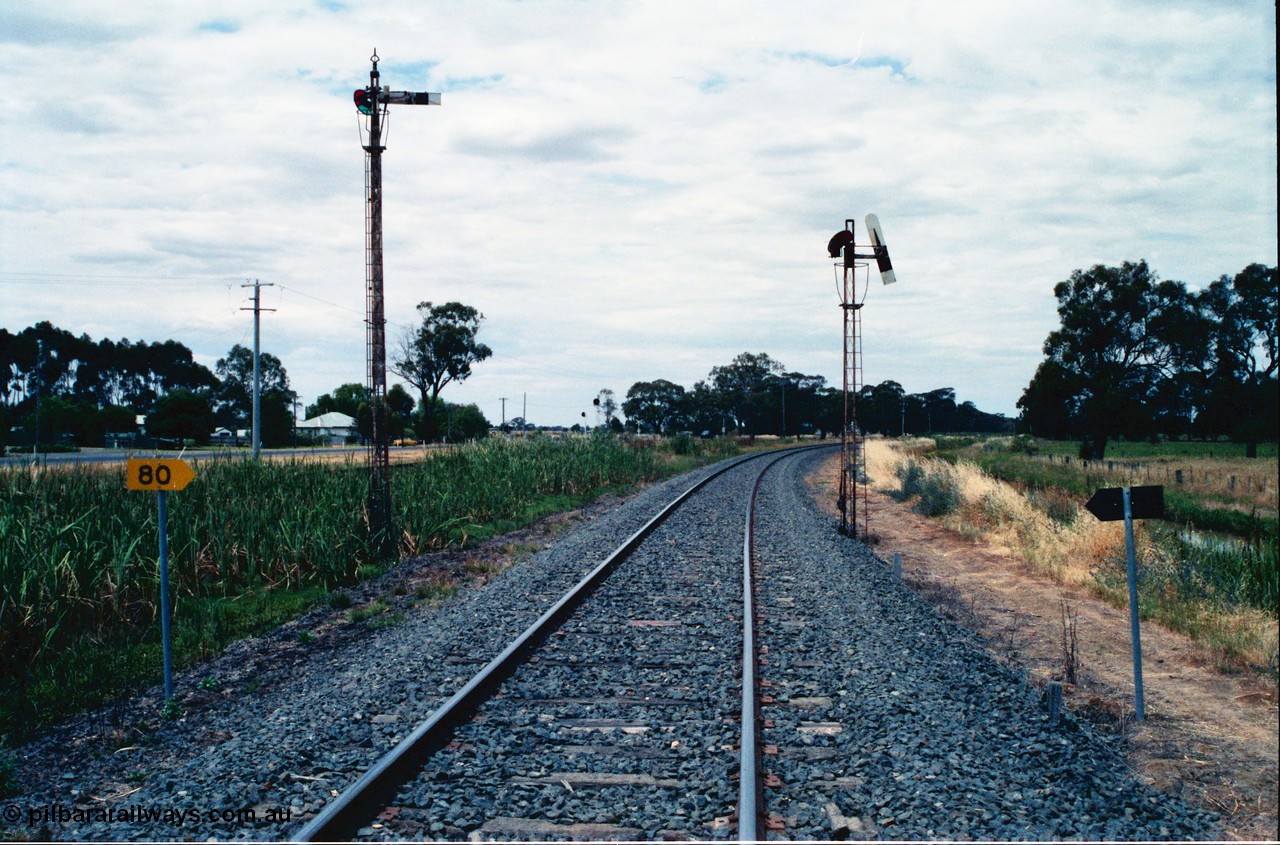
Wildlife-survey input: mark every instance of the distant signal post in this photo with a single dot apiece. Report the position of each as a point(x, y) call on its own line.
point(371, 103)
point(852, 501)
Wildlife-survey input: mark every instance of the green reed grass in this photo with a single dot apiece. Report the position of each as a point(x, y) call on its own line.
point(250, 544)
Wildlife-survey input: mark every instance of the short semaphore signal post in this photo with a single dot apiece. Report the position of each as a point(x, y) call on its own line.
point(372, 103)
point(852, 501)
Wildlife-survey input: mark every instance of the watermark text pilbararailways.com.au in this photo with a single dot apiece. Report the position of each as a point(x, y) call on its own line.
point(49, 815)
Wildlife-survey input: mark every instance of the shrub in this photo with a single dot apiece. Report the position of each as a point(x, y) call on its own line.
point(939, 494)
point(954, 442)
point(912, 475)
point(683, 444)
point(1182, 570)
point(1054, 504)
point(1024, 444)
point(994, 508)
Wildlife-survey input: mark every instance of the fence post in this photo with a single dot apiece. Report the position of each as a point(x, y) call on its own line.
point(1055, 701)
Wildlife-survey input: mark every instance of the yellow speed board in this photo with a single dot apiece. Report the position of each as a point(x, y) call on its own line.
point(158, 474)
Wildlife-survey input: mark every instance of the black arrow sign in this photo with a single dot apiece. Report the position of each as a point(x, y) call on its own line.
point(1145, 502)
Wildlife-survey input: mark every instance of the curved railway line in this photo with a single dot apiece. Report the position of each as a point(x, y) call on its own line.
point(639, 627)
point(724, 665)
point(725, 673)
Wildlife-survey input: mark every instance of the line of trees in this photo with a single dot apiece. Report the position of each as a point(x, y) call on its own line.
point(1138, 358)
point(406, 417)
point(90, 389)
point(755, 394)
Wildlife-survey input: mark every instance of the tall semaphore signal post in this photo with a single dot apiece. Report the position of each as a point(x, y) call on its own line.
point(372, 103)
point(852, 501)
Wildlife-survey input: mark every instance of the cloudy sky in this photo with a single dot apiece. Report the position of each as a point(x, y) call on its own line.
point(627, 190)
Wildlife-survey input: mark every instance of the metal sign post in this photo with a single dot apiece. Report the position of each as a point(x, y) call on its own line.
point(162, 499)
point(1111, 504)
point(1134, 633)
point(161, 476)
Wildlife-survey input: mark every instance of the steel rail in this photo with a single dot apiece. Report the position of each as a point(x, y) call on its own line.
point(357, 805)
point(751, 821)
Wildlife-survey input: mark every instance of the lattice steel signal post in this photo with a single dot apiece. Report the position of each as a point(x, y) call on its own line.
point(852, 501)
point(372, 102)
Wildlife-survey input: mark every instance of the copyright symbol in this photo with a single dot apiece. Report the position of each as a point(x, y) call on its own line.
point(12, 814)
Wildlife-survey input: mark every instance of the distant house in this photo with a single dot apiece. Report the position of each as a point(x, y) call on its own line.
point(223, 437)
point(334, 426)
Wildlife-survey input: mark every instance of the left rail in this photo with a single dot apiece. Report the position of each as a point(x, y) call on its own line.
point(362, 800)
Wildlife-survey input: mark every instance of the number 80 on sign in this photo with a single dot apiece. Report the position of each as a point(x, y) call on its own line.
point(158, 474)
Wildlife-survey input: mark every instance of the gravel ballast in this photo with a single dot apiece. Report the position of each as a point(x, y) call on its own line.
point(626, 718)
point(888, 721)
point(893, 723)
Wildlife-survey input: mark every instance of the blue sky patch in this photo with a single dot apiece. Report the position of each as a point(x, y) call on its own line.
point(405, 76)
point(712, 84)
point(225, 27)
point(897, 67)
point(820, 58)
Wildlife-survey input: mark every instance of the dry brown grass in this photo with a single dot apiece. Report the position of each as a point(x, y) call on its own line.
point(1070, 550)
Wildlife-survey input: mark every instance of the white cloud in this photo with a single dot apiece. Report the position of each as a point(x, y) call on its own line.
point(627, 191)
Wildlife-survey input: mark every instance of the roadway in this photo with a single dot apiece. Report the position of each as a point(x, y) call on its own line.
point(90, 455)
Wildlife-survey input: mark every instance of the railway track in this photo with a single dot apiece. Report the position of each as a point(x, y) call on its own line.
point(628, 710)
point(622, 717)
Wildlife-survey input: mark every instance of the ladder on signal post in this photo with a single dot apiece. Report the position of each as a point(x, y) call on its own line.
point(853, 456)
point(372, 102)
point(853, 474)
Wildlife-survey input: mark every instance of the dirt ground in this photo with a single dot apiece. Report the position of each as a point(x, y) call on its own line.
point(1209, 737)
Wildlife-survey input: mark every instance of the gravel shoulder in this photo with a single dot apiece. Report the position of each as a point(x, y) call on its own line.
point(1211, 733)
point(896, 723)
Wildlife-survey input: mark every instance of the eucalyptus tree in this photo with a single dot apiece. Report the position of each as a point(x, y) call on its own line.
point(440, 351)
point(656, 406)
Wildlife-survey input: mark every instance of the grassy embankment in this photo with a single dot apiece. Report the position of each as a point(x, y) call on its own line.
point(1208, 570)
point(251, 545)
